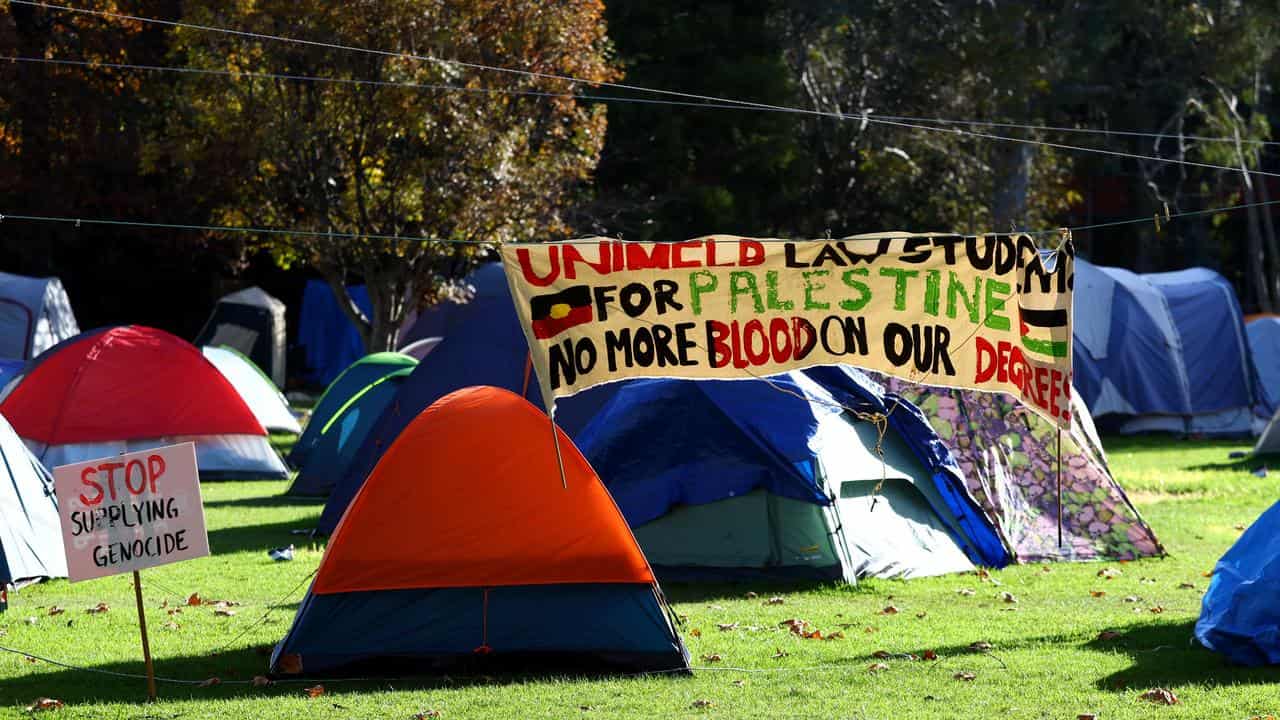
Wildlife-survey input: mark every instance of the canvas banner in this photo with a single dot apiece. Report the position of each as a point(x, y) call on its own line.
point(988, 313)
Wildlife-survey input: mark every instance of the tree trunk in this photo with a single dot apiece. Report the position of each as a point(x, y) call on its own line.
point(1012, 166)
point(348, 305)
point(1255, 258)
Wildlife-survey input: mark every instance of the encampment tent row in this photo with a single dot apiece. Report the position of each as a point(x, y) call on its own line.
point(266, 402)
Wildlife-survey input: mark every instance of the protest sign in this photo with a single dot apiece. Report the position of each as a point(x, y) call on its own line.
point(985, 313)
point(131, 511)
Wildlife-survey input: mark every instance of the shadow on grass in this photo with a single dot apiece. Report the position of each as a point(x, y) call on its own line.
point(1248, 463)
point(235, 670)
point(1166, 654)
point(685, 592)
point(261, 537)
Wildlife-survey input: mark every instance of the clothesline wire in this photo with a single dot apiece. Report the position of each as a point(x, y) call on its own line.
point(78, 221)
point(865, 117)
point(871, 117)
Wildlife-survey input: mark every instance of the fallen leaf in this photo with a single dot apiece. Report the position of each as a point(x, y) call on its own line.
point(726, 627)
point(32, 620)
point(1087, 716)
point(882, 654)
point(982, 573)
point(980, 646)
point(1098, 593)
point(1239, 527)
point(739, 683)
point(171, 625)
point(586, 708)
point(966, 592)
point(55, 610)
point(1263, 717)
point(45, 703)
point(930, 655)
point(701, 704)
point(837, 635)
point(30, 659)
point(1045, 569)
point(965, 676)
point(210, 682)
point(1186, 586)
point(715, 607)
point(1147, 581)
point(98, 609)
point(428, 714)
point(695, 632)
point(751, 596)
point(194, 600)
point(779, 653)
point(921, 615)
point(890, 610)
point(224, 612)
point(1132, 599)
point(1160, 696)
point(774, 601)
point(314, 691)
point(713, 657)
point(1008, 597)
point(1109, 573)
point(877, 668)
point(1108, 635)
point(1156, 610)
point(173, 611)
point(1207, 573)
point(870, 629)
point(260, 681)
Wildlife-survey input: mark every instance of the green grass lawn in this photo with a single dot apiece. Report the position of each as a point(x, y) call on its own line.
point(1046, 659)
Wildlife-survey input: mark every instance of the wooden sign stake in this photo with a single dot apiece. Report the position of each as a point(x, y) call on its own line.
point(146, 644)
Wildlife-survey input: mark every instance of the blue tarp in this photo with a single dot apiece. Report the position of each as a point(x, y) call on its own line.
point(1240, 614)
point(330, 340)
point(715, 439)
point(1264, 345)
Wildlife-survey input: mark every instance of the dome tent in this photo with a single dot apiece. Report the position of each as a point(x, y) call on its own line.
point(128, 388)
point(347, 385)
point(1239, 615)
point(253, 323)
point(505, 567)
point(267, 403)
point(35, 315)
point(30, 531)
point(740, 479)
point(330, 458)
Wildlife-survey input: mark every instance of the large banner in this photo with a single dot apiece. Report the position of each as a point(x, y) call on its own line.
point(988, 313)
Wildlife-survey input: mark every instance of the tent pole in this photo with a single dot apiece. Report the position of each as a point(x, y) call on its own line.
point(1059, 488)
point(555, 440)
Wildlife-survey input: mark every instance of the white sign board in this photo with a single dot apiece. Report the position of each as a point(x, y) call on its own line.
point(131, 511)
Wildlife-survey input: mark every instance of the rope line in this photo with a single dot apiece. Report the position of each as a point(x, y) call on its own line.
point(871, 117)
point(403, 238)
point(866, 117)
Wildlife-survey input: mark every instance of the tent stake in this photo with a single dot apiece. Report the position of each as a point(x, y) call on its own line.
point(1059, 488)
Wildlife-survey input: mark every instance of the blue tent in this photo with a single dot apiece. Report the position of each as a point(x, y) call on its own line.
point(330, 340)
point(30, 532)
point(1264, 345)
point(1164, 351)
point(1240, 615)
point(705, 471)
point(9, 369)
point(483, 345)
point(355, 378)
point(329, 459)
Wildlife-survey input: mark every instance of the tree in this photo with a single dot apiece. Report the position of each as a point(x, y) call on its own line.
point(455, 169)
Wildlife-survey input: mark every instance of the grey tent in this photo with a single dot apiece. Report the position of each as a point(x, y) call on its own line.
point(251, 322)
point(30, 533)
point(35, 315)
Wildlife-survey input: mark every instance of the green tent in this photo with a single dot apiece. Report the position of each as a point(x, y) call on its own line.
point(355, 378)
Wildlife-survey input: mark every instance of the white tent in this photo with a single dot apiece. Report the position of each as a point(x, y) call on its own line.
point(257, 391)
point(30, 533)
point(35, 315)
point(251, 322)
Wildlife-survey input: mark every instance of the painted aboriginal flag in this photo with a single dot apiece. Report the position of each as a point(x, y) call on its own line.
point(553, 314)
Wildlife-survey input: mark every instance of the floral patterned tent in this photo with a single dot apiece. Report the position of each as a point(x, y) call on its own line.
point(1008, 456)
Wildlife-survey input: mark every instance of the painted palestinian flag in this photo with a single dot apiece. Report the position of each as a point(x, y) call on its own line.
point(553, 314)
point(1041, 330)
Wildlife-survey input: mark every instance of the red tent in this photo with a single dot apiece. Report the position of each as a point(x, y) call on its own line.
point(99, 390)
